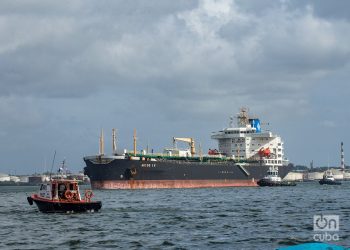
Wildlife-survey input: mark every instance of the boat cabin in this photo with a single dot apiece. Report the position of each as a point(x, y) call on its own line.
point(328, 175)
point(272, 174)
point(60, 190)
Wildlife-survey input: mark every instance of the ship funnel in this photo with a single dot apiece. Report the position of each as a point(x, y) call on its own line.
point(101, 148)
point(114, 143)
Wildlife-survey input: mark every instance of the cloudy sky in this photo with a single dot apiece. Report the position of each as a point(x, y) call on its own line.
point(170, 68)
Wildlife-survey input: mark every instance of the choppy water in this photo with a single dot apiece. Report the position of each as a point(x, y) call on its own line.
point(219, 218)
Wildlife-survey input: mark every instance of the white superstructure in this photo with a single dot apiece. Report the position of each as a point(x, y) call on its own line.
point(247, 142)
point(272, 175)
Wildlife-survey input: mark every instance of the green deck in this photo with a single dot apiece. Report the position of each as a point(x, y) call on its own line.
point(190, 158)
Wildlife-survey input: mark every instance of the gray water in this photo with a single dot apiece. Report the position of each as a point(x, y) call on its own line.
point(217, 218)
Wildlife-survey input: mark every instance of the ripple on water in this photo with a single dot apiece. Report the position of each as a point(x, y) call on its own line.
point(177, 219)
point(294, 241)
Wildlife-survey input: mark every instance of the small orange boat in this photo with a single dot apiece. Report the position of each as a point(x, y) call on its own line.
point(63, 196)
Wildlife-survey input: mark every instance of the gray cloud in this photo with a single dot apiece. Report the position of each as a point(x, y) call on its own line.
point(184, 66)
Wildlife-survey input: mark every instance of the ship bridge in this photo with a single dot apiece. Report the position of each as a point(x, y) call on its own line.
point(248, 142)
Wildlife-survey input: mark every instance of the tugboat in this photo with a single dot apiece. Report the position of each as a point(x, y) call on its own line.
point(272, 179)
point(63, 196)
point(328, 179)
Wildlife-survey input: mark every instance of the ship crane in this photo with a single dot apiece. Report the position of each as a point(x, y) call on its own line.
point(190, 141)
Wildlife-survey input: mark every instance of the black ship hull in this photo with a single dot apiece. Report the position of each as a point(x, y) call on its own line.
point(110, 173)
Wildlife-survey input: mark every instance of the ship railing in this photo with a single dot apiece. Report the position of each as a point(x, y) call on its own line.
point(188, 160)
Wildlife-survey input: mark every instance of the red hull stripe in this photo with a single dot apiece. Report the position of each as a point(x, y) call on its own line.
point(149, 184)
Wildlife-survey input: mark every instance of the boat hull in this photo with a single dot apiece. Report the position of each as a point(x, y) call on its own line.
point(268, 183)
point(329, 182)
point(137, 174)
point(49, 206)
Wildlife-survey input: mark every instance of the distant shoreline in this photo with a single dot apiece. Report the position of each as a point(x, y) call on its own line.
point(12, 183)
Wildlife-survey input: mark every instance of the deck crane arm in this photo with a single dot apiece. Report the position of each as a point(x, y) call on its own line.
point(190, 141)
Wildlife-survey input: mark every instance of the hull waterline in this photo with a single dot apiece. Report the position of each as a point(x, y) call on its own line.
point(161, 184)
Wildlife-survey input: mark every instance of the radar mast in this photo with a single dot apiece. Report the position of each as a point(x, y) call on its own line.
point(243, 118)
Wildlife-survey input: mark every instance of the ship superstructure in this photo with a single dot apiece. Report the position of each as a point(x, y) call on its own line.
point(248, 142)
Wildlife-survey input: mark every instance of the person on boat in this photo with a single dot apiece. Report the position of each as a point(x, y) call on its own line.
point(62, 190)
point(53, 191)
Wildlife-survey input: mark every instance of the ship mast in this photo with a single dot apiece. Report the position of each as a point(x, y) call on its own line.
point(101, 148)
point(135, 142)
point(243, 118)
point(342, 163)
point(114, 144)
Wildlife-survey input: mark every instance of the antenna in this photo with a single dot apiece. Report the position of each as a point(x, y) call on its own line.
point(45, 164)
point(174, 143)
point(62, 169)
point(147, 148)
point(328, 162)
point(342, 162)
point(53, 162)
point(200, 152)
point(231, 122)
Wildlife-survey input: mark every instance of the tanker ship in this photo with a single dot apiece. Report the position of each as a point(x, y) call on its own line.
point(245, 153)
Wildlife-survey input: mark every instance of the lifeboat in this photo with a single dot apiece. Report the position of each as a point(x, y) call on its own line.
point(63, 196)
point(264, 152)
point(213, 152)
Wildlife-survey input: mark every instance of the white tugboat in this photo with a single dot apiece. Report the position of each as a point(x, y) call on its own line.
point(328, 179)
point(272, 179)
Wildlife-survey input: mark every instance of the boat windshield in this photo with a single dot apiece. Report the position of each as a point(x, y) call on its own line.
point(274, 173)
